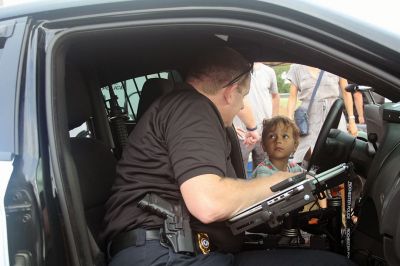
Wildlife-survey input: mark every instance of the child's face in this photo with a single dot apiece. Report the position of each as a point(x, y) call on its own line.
point(280, 143)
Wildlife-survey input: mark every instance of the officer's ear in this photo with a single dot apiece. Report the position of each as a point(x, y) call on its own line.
point(228, 93)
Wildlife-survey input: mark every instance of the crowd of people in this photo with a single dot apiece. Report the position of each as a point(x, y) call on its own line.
point(180, 151)
point(303, 79)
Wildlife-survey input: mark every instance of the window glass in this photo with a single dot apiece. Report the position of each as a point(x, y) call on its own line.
point(128, 93)
point(81, 131)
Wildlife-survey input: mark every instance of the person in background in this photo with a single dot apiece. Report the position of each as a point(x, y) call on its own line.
point(303, 80)
point(263, 99)
point(247, 138)
point(280, 138)
point(359, 107)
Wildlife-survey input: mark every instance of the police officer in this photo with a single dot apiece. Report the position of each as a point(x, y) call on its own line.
point(180, 150)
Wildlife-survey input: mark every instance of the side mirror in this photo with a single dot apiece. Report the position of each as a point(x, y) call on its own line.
point(365, 90)
point(351, 88)
point(354, 88)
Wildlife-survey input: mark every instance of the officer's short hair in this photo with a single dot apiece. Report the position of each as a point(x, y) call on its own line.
point(216, 67)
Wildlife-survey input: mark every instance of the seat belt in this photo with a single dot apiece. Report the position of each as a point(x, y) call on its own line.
point(236, 153)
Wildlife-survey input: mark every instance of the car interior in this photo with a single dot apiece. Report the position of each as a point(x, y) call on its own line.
point(103, 78)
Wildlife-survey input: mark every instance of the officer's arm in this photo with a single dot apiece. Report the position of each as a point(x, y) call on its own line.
point(212, 198)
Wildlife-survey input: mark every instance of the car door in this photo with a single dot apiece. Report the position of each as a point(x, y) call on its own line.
point(16, 210)
point(29, 225)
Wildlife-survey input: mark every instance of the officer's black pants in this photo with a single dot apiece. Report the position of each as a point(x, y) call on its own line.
point(152, 253)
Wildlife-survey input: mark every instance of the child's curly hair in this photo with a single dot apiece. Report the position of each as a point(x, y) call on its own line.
point(270, 124)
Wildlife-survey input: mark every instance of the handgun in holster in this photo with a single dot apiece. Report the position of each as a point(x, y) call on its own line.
point(176, 228)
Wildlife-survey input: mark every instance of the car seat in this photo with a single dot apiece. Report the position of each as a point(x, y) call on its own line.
point(153, 89)
point(94, 161)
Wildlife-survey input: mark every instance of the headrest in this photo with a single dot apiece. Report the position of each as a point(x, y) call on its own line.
point(79, 105)
point(152, 90)
point(373, 114)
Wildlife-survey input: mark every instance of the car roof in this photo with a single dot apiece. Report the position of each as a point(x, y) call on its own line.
point(71, 8)
point(58, 9)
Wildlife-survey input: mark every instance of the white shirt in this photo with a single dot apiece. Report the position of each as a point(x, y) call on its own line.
point(263, 84)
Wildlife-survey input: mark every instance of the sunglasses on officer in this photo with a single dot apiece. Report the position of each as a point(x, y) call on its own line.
point(238, 77)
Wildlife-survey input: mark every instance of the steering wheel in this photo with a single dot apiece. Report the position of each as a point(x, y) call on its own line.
point(332, 121)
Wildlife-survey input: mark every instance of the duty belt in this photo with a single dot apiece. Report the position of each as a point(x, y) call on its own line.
point(136, 237)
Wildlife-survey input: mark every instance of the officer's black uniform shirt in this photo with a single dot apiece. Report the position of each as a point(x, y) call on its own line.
point(181, 136)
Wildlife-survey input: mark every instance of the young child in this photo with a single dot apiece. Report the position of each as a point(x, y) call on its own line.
point(280, 138)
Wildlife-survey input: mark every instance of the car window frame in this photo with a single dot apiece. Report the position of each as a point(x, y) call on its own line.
point(12, 34)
